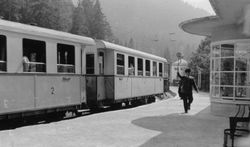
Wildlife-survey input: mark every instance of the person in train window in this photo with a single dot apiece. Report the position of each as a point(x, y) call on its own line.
point(33, 64)
point(187, 89)
point(131, 69)
point(25, 64)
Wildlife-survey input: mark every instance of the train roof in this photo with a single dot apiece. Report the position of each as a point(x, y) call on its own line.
point(108, 45)
point(228, 12)
point(44, 32)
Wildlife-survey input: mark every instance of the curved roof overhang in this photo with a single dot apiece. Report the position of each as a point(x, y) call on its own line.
point(228, 12)
point(108, 45)
point(43, 32)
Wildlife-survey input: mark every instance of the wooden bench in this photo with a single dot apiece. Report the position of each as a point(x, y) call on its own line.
point(234, 130)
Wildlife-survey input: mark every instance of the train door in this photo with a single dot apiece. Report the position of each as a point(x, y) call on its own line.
point(91, 80)
point(101, 78)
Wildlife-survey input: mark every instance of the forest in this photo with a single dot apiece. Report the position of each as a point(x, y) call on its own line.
point(84, 18)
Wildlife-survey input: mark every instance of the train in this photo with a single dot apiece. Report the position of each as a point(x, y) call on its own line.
point(49, 72)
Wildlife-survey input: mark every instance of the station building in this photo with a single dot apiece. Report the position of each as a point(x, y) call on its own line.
point(229, 30)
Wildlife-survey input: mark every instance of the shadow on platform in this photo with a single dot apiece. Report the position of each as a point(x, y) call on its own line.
point(185, 130)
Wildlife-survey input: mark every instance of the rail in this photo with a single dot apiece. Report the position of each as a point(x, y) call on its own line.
point(66, 68)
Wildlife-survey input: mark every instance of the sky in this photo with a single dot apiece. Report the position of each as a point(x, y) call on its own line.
point(202, 4)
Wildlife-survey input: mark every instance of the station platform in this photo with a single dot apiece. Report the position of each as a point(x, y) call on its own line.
point(159, 124)
point(197, 128)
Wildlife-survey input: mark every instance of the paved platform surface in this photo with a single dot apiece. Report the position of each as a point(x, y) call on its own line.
point(159, 124)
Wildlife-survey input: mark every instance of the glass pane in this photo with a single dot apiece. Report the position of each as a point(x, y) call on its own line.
point(215, 79)
point(241, 64)
point(243, 50)
point(217, 65)
point(65, 68)
point(227, 50)
point(90, 64)
point(120, 59)
point(212, 65)
point(226, 91)
point(216, 51)
point(215, 91)
point(242, 79)
point(241, 92)
point(227, 64)
point(120, 70)
point(227, 78)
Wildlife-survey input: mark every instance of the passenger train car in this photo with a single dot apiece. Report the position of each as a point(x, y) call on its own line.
point(44, 71)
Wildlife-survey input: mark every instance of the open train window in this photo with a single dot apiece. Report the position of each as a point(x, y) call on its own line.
point(120, 64)
point(147, 68)
point(160, 69)
point(3, 55)
point(90, 64)
point(154, 68)
point(34, 55)
point(140, 67)
point(131, 65)
point(65, 58)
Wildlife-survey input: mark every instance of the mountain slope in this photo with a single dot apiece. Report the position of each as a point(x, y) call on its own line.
point(152, 23)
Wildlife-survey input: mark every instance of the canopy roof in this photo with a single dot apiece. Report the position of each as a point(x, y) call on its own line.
point(228, 12)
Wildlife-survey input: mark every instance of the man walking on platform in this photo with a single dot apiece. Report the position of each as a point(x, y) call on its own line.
point(186, 89)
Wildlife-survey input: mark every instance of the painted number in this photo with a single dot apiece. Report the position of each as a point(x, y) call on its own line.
point(52, 90)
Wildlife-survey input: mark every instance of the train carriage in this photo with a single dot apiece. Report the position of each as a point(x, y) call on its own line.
point(48, 72)
point(41, 70)
point(123, 75)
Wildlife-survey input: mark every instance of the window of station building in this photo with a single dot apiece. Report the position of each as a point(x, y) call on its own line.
point(3, 55)
point(154, 68)
point(227, 64)
point(90, 63)
point(65, 58)
point(140, 66)
point(34, 55)
point(227, 50)
point(160, 69)
point(120, 64)
point(131, 65)
point(216, 51)
point(147, 68)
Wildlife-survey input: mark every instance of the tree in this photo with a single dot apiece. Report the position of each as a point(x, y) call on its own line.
point(63, 11)
point(200, 61)
point(131, 43)
point(167, 54)
point(40, 12)
point(201, 58)
point(9, 9)
point(79, 23)
point(99, 28)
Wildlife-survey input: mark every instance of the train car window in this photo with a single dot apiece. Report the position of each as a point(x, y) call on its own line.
point(120, 64)
point(3, 55)
point(34, 55)
point(140, 67)
point(147, 68)
point(160, 69)
point(154, 68)
point(131, 65)
point(65, 58)
point(90, 64)
point(101, 63)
